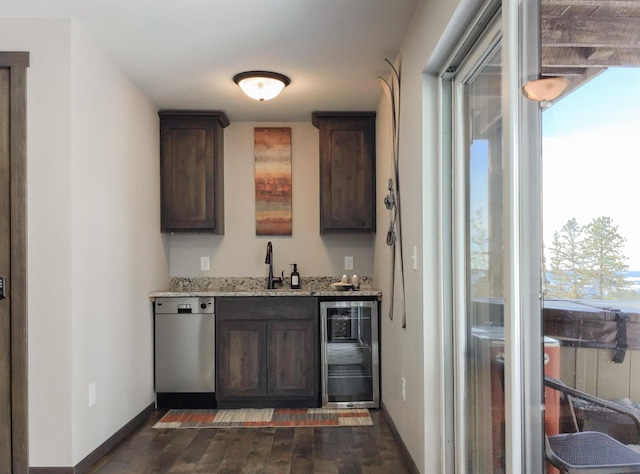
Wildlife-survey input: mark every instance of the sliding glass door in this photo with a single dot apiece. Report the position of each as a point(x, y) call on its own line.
point(495, 266)
point(479, 210)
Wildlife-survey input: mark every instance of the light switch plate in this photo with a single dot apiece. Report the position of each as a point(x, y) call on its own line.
point(415, 258)
point(205, 264)
point(348, 263)
point(92, 394)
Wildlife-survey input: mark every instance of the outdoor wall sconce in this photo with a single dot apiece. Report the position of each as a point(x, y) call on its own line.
point(261, 85)
point(545, 89)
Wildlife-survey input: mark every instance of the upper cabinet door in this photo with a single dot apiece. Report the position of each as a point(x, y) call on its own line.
point(192, 171)
point(347, 171)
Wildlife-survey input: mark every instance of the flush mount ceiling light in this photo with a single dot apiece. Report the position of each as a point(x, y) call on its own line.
point(545, 89)
point(261, 85)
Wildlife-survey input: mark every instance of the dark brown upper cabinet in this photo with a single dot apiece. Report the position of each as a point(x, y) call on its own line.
point(192, 171)
point(347, 171)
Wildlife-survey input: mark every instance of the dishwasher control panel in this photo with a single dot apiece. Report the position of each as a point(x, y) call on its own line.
point(188, 305)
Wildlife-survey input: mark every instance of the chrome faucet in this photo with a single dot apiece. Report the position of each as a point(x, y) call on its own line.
point(271, 280)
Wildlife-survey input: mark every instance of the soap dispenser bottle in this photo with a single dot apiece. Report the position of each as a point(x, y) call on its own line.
point(295, 278)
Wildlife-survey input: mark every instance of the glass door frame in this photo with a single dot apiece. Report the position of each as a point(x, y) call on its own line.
point(518, 26)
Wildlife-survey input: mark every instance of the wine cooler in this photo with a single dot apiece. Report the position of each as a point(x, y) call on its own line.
point(350, 362)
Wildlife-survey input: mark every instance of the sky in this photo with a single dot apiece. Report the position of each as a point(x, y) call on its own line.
point(591, 157)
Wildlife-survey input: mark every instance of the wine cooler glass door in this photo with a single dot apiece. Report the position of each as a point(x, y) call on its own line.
point(350, 354)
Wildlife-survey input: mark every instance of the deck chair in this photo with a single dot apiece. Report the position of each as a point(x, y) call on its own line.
point(590, 451)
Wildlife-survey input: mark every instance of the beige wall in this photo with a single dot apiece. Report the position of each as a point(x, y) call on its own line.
point(116, 247)
point(239, 252)
point(415, 353)
point(94, 249)
point(49, 226)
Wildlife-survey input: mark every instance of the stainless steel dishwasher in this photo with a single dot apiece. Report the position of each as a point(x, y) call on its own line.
point(184, 352)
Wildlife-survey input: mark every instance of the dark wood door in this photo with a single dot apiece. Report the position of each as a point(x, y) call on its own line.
point(5, 261)
point(291, 358)
point(13, 265)
point(191, 167)
point(241, 359)
point(347, 171)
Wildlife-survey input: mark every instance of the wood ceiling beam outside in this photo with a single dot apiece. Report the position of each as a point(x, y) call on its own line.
point(579, 57)
point(562, 71)
point(595, 3)
point(593, 32)
point(580, 39)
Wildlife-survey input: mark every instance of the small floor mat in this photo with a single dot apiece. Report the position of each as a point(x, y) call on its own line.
point(265, 417)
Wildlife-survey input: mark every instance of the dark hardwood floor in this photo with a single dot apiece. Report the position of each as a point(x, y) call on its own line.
point(344, 450)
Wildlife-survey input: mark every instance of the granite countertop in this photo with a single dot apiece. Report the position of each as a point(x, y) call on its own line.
point(249, 286)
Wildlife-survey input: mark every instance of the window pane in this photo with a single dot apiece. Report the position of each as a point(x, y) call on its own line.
point(592, 245)
point(484, 255)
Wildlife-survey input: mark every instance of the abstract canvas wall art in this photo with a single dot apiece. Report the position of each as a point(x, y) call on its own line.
point(272, 155)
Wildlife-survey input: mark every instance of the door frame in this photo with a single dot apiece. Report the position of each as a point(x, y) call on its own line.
point(17, 63)
point(523, 273)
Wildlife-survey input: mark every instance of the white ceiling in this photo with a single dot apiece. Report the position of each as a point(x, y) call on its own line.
point(183, 54)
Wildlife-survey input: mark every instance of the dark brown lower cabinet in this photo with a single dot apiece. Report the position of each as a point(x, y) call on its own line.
point(242, 371)
point(291, 358)
point(267, 352)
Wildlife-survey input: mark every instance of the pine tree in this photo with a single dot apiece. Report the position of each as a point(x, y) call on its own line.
point(604, 262)
point(567, 276)
point(587, 262)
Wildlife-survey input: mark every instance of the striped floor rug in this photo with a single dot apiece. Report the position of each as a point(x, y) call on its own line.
point(266, 417)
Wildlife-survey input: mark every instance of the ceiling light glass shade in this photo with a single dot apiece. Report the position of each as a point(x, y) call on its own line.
point(261, 85)
point(545, 89)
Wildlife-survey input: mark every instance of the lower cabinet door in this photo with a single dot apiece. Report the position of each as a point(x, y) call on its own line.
point(291, 358)
point(241, 359)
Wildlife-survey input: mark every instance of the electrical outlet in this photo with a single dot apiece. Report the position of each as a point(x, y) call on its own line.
point(404, 390)
point(92, 394)
point(348, 263)
point(205, 265)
